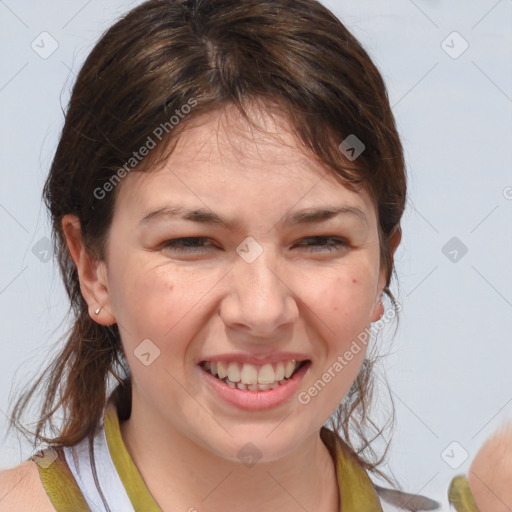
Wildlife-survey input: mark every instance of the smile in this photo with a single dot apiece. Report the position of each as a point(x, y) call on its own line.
point(239, 384)
point(250, 377)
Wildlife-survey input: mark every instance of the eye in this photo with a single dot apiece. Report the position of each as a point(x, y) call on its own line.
point(324, 244)
point(198, 244)
point(190, 244)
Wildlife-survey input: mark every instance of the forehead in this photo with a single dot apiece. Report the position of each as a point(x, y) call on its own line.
point(225, 137)
point(219, 158)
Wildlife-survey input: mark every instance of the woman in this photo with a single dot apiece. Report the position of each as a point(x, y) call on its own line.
point(226, 199)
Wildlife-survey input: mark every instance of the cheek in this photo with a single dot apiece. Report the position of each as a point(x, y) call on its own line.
point(151, 302)
point(348, 297)
point(343, 306)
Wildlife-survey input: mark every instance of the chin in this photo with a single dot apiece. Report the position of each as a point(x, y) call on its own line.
point(253, 445)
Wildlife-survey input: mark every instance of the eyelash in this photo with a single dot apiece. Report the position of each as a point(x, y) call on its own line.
point(179, 244)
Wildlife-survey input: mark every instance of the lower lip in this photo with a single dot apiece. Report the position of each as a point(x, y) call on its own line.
point(256, 400)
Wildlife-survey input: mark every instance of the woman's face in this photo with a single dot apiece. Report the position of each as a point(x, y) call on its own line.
point(264, 277)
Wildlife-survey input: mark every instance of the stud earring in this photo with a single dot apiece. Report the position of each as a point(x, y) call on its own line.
point(97, 311)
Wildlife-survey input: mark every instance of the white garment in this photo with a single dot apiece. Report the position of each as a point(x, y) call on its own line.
point(109, 482)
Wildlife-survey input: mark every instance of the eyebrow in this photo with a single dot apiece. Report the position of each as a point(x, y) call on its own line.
point(205, 216)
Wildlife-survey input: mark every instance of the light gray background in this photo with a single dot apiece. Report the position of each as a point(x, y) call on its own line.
point(449, 369)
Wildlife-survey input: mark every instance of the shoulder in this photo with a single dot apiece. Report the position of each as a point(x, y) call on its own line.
point(21, 489)
point(490, 473)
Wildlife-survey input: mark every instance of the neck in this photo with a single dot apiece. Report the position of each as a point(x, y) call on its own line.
point(182, 475)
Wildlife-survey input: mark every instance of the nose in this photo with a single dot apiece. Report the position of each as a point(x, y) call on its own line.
point(259, 302)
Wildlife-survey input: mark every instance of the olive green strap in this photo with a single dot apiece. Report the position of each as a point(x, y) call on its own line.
point(357, 493)
point(128, 473)
point(460, 496)
point(58, 481)
point(356, 490)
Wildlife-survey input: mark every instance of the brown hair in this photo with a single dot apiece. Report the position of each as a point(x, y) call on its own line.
point(164, 54)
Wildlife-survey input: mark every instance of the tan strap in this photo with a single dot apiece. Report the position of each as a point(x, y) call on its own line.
point(58, 481)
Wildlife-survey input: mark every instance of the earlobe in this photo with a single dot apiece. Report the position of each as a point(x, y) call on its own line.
point(378, 311)
point(395, 239)
point(91, 272)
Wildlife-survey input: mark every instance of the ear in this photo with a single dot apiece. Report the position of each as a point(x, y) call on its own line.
point(91, 272)
point(378, 310)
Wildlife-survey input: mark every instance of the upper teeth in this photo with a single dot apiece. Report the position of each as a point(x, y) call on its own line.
point(251, 374)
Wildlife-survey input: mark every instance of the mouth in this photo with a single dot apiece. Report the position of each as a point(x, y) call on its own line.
point(254, 387)
point(255, 378)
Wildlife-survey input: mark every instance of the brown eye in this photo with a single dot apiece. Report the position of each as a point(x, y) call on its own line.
point(324, 243)
point(190, 244)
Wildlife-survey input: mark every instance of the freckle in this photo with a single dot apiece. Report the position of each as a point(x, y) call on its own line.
point(354, 281)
